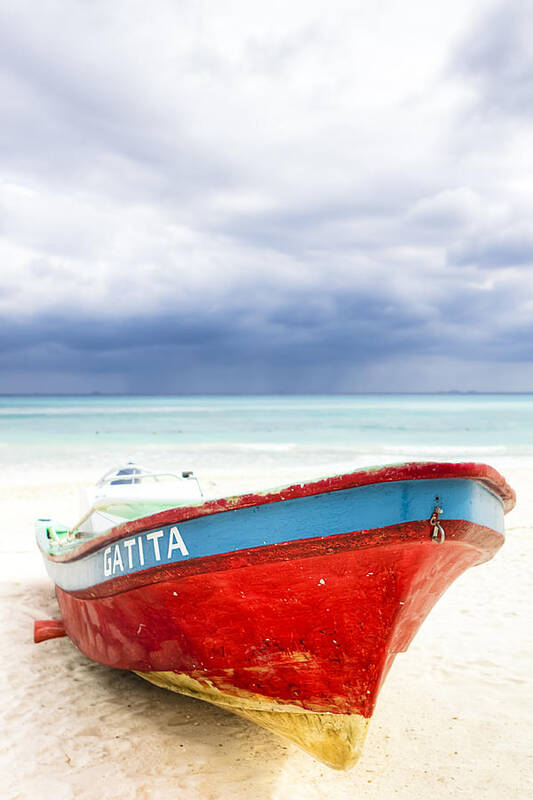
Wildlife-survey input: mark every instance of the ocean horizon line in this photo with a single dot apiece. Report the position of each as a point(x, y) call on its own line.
point(451, 392)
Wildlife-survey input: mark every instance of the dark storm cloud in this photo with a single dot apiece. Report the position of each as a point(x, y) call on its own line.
point(288, 349)
point(339, 327)
point(298, 324)
point(479, 324)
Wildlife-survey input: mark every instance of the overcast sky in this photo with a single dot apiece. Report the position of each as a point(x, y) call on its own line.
point(266, 197)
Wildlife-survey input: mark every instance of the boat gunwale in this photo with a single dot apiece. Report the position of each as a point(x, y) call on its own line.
point(410, 471)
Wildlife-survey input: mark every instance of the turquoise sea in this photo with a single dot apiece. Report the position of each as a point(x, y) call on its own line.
point(262, 432)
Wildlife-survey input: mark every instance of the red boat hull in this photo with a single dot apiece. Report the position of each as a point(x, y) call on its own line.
point(275, 605)
point(313, 624)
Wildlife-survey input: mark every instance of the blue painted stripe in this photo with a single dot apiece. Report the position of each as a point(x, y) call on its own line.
point(361, 508)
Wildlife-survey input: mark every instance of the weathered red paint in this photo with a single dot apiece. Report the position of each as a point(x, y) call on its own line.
point(313, 623)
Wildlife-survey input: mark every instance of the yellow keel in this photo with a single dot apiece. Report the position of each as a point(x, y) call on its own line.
point(335, 739)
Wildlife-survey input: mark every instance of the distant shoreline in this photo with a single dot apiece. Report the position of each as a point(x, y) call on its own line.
point(451, 393)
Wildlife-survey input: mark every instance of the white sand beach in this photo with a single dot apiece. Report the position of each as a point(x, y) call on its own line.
point(453, 719)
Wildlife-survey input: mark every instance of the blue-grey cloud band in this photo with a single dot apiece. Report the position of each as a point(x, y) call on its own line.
point(326, 197)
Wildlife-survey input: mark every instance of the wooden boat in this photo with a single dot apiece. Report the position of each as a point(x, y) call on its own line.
point(285, 607)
